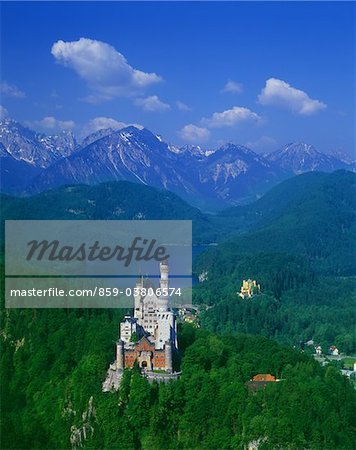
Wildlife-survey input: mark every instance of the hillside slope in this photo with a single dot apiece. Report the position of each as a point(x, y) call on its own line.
point(312, 215)
point(120, 200)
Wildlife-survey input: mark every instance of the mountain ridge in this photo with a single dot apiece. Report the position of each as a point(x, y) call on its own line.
point(301, 157)
point(210, 179)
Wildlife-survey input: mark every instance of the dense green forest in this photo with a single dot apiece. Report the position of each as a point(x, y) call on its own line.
point(296, 303)
point(312, 215)
point(53, 363)
point(324, 312)
point(298, 243)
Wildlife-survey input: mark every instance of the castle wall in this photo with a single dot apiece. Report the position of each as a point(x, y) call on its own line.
point(159, 360)
point(130, 358)
point(120, 356)
point(144, 351)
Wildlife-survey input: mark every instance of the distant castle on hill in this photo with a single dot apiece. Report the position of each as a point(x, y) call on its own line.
point(249, 288)
point(149, 337)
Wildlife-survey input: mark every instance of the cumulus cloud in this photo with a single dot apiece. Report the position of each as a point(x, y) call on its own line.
point(262, 145)
point(232, 87)
point(231, 117)
point(10, 90)
point(182, 106)
point(152, 103)
point(279, 93)
point(51, 123)
point(194, 134)
point(102, 123)
point(103, 68)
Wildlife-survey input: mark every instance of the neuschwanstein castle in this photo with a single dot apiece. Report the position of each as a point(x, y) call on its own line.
point(149, 337)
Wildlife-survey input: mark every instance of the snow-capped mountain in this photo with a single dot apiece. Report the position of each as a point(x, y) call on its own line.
point(196, 151)
point(342, 156)
point(96, 136)
point(61, 145)
point(15, 174)
point(34, 148)
point(235, 173)
point(130, 154)
point(225, 176)
point(299, 157)
point(211, 179)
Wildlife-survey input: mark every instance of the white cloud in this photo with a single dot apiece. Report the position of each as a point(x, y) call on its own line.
point(262, 145)
point(101, 123)
point(10, 90)
point(51, 123)
point(152, 103)
point(232, 87)
point(194, 134)
point(231, 117)
point(279, 93)
point(3, 112)
point(182, 106)
point(105, 70)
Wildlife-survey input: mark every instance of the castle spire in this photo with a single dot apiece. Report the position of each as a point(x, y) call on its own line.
point(164, 284)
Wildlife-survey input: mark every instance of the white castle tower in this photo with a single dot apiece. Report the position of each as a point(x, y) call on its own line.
point(166, 330)
point(164, 285)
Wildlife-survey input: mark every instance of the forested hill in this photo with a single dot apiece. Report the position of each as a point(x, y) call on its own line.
point(302, 205)
point(310, 189)
point(298, 243)
point(54, 361)
point(312, 215)
point(121, 200)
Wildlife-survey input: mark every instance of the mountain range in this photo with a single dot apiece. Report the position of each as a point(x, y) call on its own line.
point(300, 158)
point(210, 179)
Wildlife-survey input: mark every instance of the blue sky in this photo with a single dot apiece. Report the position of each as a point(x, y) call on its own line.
point(258, 74)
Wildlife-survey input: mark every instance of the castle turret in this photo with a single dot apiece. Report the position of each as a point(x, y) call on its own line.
point(120, 358)
point(164, 285)
point(168, 354)
point(164, 270)
point(137, 298)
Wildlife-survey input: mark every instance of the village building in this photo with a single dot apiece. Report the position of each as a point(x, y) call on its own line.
point(260, 381)
point(334, 351)
point(187, 315)
point(318, 350)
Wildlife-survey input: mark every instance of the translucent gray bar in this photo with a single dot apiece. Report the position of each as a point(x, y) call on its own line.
point(49, 247)
point(88, 292)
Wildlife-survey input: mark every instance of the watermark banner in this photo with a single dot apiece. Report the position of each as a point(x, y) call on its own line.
point(96, 264)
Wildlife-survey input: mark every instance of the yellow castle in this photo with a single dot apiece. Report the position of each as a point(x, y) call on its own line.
point(249, 288)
